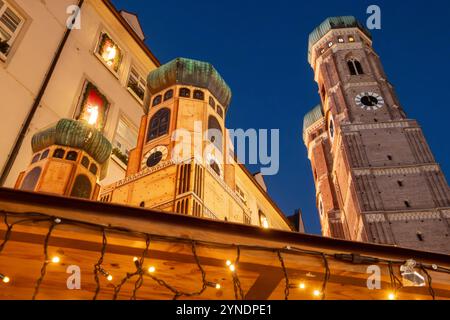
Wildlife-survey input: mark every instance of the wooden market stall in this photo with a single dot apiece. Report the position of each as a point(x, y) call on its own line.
point(120, 252)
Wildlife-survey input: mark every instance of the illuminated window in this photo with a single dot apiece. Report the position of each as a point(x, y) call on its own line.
point(93, 107)
point(264, 222)
point(136, 84)
point(10, 25)
point(340, 40)
point(351, 39)
point(109, 52)
point(159, 124)
point(124, 140)
point(168, 95)
point(185, 93)
point(199, 95)
point(330, 44)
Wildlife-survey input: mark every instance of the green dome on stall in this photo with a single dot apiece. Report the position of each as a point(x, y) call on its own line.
point(190, 72)
point(334, 23)
point(75, 134)
point(311, 117)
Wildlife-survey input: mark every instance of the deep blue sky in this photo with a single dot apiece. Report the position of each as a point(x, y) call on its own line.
point(260, 48)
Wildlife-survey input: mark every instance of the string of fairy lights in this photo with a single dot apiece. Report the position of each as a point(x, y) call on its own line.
point(141, 272)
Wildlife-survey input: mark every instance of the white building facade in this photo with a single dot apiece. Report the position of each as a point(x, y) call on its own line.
point(98, 74)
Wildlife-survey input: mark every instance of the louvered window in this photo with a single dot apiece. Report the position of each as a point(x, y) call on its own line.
point(10, 25)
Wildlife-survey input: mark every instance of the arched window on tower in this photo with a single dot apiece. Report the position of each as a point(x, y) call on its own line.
point(157, 100)
point(59, 153)
point(36, 158)
point(185, 93)
point(159, 124)
point(212, 103)
point(72, 156)
point(355, 67)
point(199, 95)
point(31, 179)
point(168, 95)
point(45, 154)
point(82, 187)
point(215, 132)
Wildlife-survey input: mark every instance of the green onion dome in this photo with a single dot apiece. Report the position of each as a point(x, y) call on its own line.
point(333, 23)
point(190, 72)
point(75, 134)
point(312, 117)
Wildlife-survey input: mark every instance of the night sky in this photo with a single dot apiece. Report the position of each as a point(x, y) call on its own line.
point(260, 49)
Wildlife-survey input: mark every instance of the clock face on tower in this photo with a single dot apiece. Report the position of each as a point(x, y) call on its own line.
point(154, 156)
point(369, 101)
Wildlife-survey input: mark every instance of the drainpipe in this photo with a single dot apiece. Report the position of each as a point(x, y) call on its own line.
point(19, 141)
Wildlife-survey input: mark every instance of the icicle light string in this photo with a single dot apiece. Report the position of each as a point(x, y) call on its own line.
point(7, 233)
point(326, 276)
point(429, 279)
point(139, 272)
point(98, 266)
point(238, 292)
point(46, 261)
point(178, 293)
point(347, 258)
point(396, 284)
point(286, 278)
point(139, 264)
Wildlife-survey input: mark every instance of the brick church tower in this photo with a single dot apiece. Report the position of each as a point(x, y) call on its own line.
point(375, 176)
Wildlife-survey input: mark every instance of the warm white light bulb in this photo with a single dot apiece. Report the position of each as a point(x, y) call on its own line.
point(111, 53)
point(109, 277)
point(302, 285)
point(316, 293)
point(92, 112)
point(391, 296)
point(135, 259)
point(218, 286)
point(6, 279)
point(265, 223)
point(151, 269)
point(56, 259)
point(228, 263)
point(232, 268)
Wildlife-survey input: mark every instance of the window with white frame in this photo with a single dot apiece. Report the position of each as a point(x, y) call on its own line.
point(264, 222)
point(10, 24)
point(136, 84)
point(124, 141)
point(240, 194)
